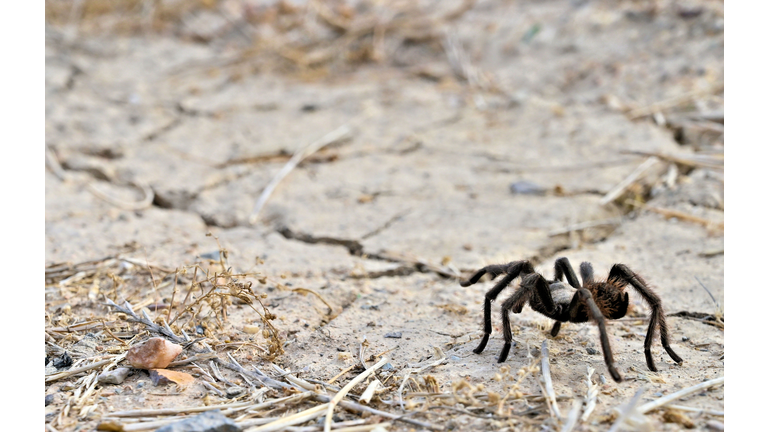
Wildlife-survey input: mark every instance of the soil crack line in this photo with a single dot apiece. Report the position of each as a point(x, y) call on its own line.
point(355, 248)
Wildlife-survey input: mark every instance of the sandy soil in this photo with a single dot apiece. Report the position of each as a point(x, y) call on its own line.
point(492, 137)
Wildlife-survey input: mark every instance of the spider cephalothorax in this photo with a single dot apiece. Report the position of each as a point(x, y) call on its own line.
point(572, 302)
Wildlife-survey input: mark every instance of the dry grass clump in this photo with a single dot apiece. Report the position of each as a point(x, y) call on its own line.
point(127, 16)
point(209, 290)
point(310, 37)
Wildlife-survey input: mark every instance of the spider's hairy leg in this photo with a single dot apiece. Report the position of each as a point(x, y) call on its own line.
point(539, 285)
point(490, 296)
point(622, 274)
point(494, 270)
point(533, 284)
point(515, 303)
point(587, 274)
point(563, 266)
point(555, 329)
point(512, 270)
point(583, 295)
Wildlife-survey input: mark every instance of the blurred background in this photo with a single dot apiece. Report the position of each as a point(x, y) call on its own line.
point(522, 115)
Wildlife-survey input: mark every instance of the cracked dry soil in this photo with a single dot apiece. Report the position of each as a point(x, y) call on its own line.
point(440, 179)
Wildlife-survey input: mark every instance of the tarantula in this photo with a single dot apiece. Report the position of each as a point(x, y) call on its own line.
point(596, 301)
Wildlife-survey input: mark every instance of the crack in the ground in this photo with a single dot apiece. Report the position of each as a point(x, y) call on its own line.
point(171, 125)
point(355, 248)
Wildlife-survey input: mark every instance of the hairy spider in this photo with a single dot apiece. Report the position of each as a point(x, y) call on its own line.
point(570, 302)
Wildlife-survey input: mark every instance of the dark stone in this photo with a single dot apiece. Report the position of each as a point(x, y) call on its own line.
point(394, 335)
point(526, 188)
point(63, 361)
point(211, 421)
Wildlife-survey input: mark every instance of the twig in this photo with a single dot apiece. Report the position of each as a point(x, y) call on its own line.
point(591, 395)
point(370, 391)
point(309, 291)
point(298, 418)
point(75, 371)
point(584, 225)
point(283, 401)
point(258, 375)
point(194, 358)
point(665, 104)
point(628, 410)
point(441, 359)
point(173, 296)
point(146, 202)
point(698, 410)
point(174, 411)
point(293, 379)
point(717, 304)
point(677, 395)
point(352, 406)
point(547, 389)
point(344, 390)
point(631, 178)
point(667, 213)
point(329, 138)
point(694, 161)
point(81, 326)
point(573, 416)
point(341, 373)
point(356, 407)
point(146, 321)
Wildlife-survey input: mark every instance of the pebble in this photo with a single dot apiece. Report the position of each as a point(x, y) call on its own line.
point(394, 335)
point(715, 425)
point(62, 361)
point(156, 353)
point(233, 392)
point(213, 256)
point(164, 376)
point(210, 421)
point(252, 329)
point(526, 188)
point(48, 399)
point(387, 367)
point(591, 351)
point(116, 376)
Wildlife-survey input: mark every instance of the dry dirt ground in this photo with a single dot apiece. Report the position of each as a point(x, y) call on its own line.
point(475, 133)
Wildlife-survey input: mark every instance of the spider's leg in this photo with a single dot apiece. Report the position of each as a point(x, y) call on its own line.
point(587, 274)
point(532, 285)
point(515, 303)
point(622, 274)
point(541, 289)
point(512, 270)
point(490, 296)
point(594, 312)
point(494, 270)
point(563, 266)
point(555, 329)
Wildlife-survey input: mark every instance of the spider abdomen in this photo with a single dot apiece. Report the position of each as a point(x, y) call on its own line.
point(610, 298)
